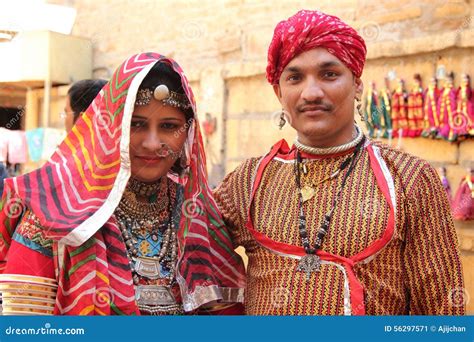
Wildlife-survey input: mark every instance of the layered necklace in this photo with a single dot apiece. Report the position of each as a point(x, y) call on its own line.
point(153, 276)
point(310, 262)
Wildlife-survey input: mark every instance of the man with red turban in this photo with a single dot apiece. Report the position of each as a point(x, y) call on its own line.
point(337, 224)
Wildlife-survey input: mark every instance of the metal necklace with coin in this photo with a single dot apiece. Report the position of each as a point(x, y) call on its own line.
point(137, 218)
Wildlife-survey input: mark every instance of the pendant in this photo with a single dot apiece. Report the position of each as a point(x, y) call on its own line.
point(154, 295)
point(309, 263)
point(307, 193)
point(148, 268)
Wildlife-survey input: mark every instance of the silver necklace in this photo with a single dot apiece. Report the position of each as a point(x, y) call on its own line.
point(330, 150)
point(152, 299)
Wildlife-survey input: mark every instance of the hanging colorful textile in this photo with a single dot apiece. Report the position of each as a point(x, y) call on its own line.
point(385, 110)
point(465, 107)
point(371, 114)
point(447, 110)
point(399, 111)
point(431, 122)
point(463, 205)
point(17, 147)
point(34, 139)
point(415, 108)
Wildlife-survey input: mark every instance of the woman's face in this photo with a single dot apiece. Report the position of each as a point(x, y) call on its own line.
point(155, 129)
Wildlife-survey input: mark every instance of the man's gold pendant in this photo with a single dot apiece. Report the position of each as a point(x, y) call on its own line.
point(307, 193)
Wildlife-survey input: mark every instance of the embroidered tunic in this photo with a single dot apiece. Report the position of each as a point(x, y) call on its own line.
point(391, 247)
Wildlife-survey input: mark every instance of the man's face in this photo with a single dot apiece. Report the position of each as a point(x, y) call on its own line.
point(318, 91)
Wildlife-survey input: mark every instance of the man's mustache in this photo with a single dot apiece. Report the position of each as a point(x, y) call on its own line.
point(319, 105)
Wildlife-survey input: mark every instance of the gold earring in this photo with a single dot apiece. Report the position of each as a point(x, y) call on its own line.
point(282, 119)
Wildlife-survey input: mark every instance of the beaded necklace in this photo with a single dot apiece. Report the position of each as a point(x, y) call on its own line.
point(311, 262)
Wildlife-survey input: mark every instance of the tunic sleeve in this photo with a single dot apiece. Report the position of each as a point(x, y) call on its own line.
point(232, 197)
point(28, 282)
point(30, 252)
point(434, 277)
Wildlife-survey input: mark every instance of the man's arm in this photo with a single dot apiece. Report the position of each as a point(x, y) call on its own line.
point(434, 277)
point(232, 197)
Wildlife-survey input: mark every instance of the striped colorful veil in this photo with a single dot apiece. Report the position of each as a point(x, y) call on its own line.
point(76, 192)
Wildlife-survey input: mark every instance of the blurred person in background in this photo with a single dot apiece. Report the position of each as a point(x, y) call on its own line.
point(79, 97)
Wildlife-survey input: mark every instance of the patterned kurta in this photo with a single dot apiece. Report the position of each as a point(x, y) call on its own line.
point(411, 268)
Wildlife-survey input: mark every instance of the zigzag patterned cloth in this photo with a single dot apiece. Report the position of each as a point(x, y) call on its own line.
point(76, 192)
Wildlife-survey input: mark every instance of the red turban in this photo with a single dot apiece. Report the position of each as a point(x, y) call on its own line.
point(308, 30)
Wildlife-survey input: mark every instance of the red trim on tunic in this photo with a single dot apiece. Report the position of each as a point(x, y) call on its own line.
point(356, 292)
point(355, 287)
point(286, 153)
point(378, 244)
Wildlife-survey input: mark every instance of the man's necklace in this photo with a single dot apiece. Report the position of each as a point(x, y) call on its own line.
point(311, 262)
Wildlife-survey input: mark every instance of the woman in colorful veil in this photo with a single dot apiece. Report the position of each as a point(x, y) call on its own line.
point(121, 219)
